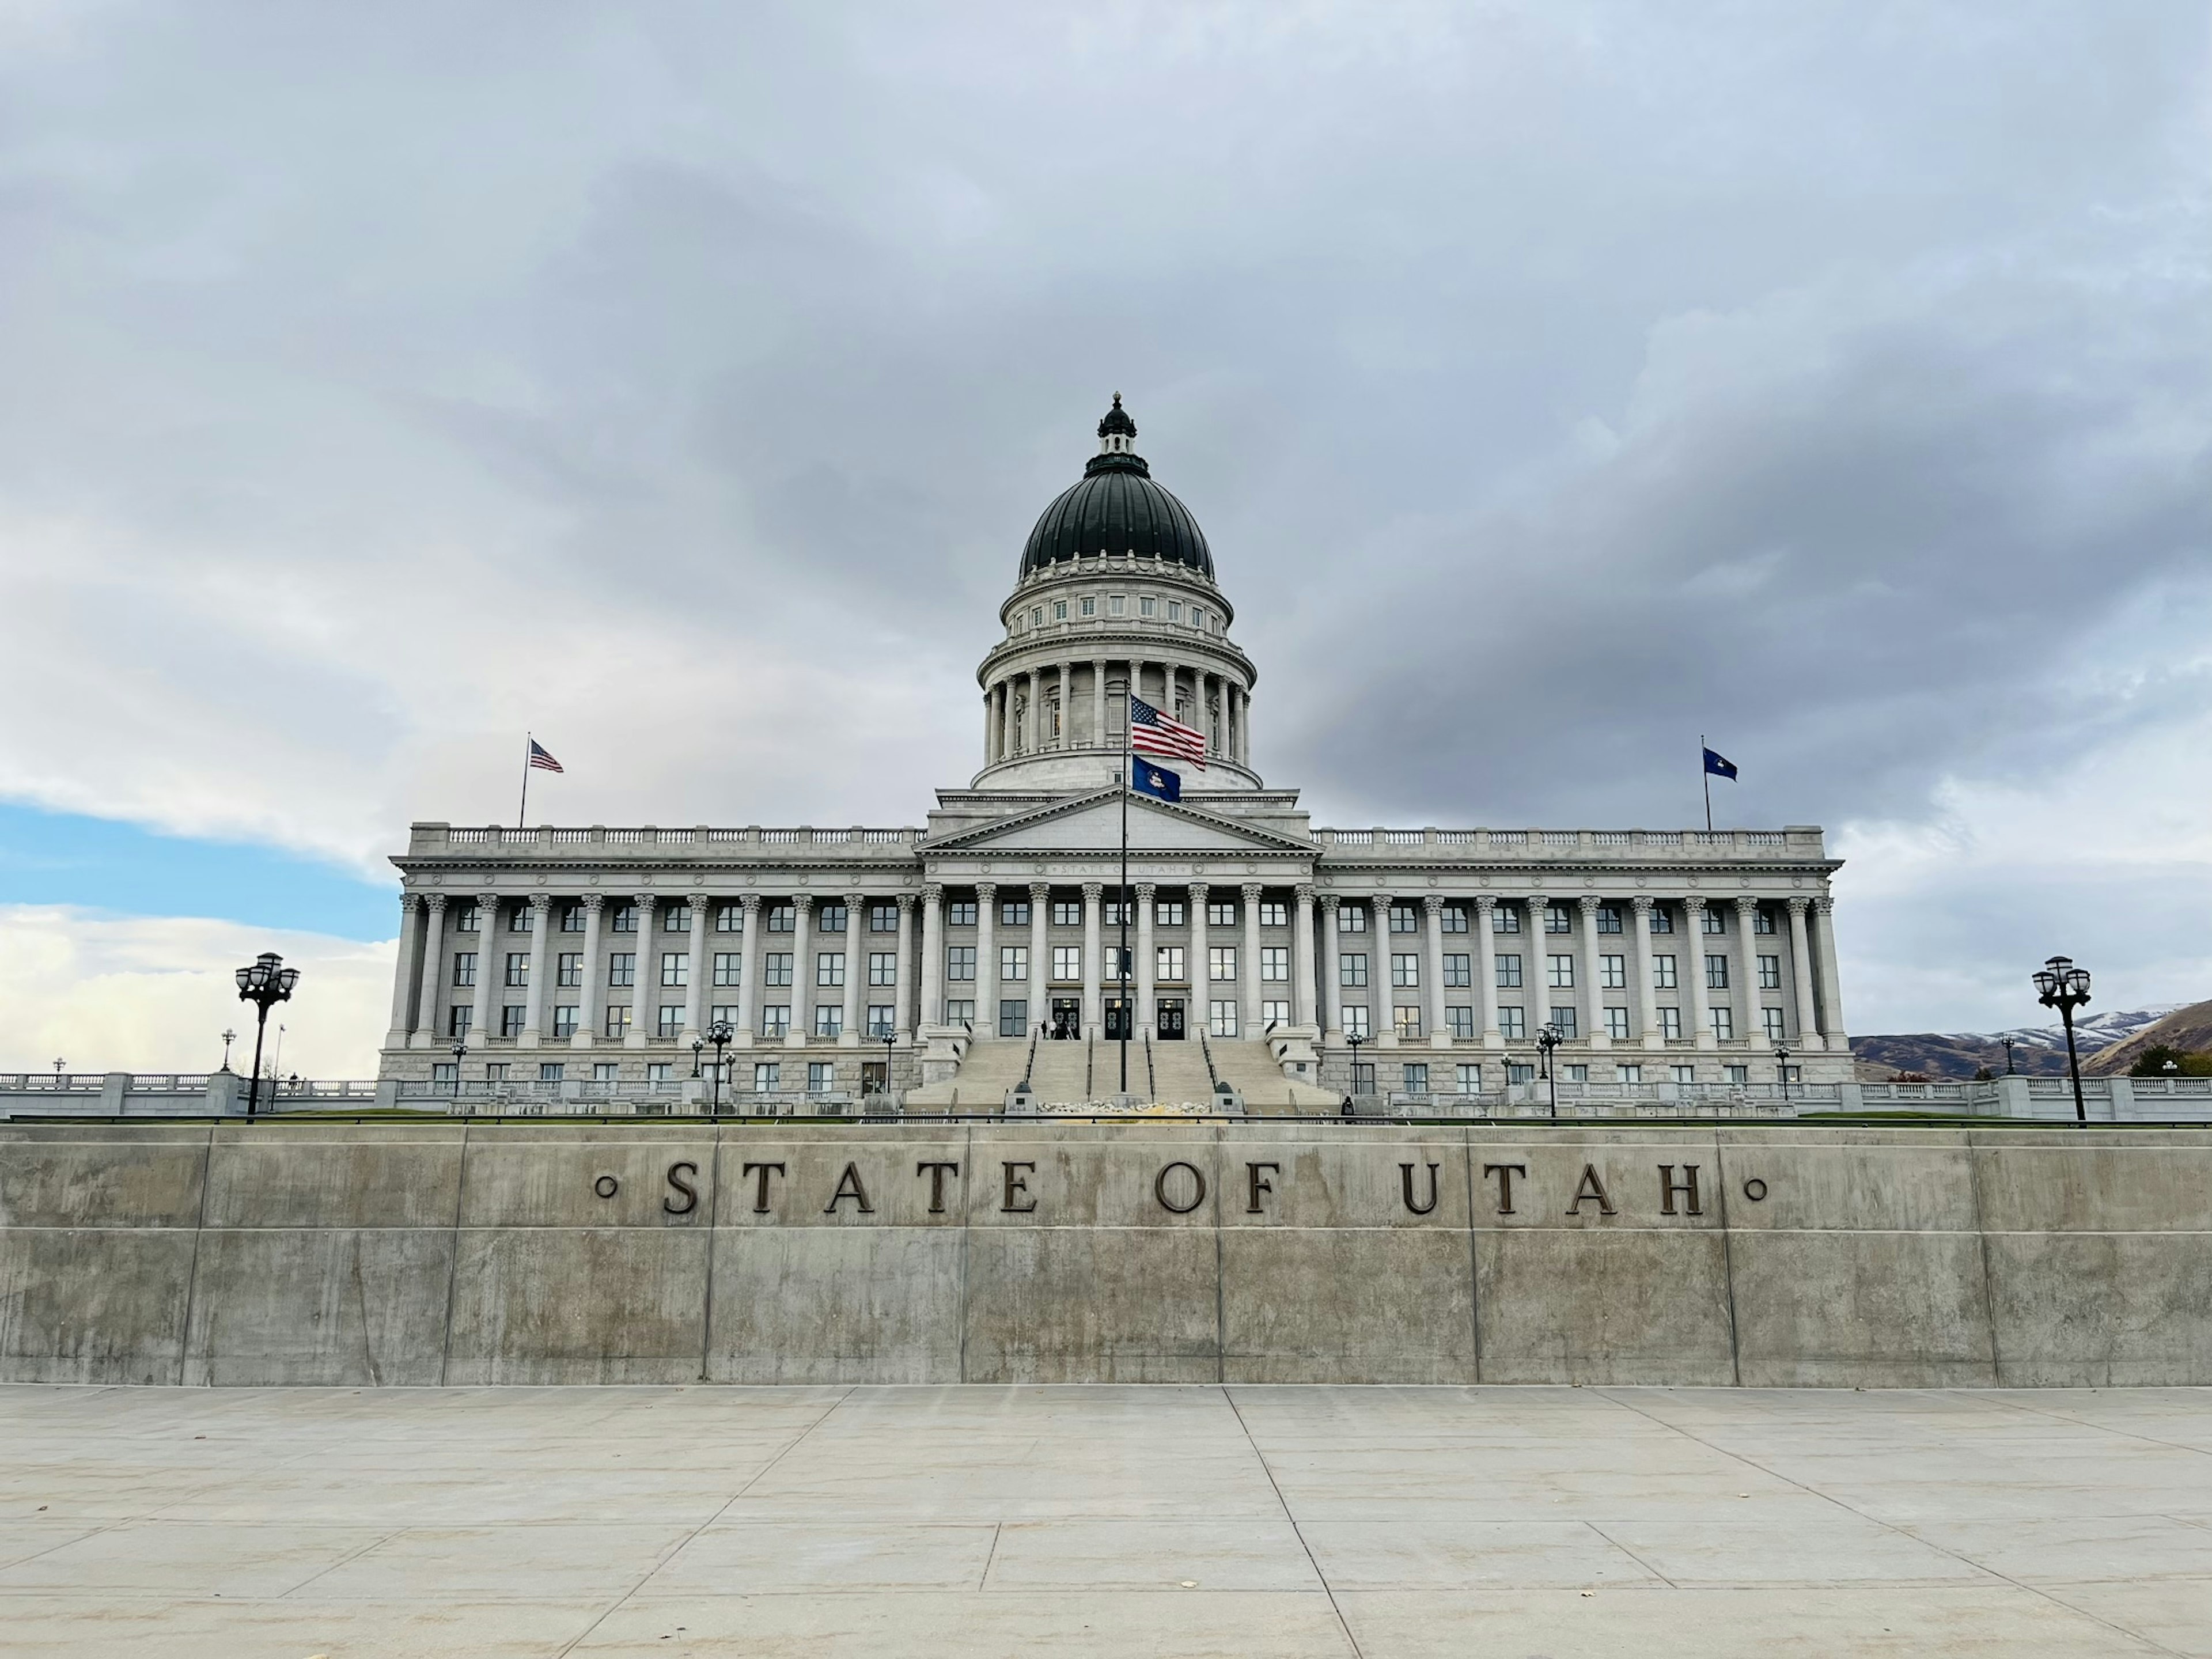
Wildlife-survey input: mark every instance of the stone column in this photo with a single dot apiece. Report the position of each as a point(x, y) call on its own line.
point(933, 956)
point(750, 967)
point(1748, 1029)
point(1535, 971)
point(490, 969)
point(1304, 1006)
point(1800, 976)
point(541, 905)
point(1249, 968)
point(990, 721)
point(1039, 953)
point(1592, 995)
point(1332, 967)
point(902, 1003)
point(1032, 724)
point(1831, 987)
point(1067, 705)
point(1694, 918)
point(588, 1003)
point(1094, 1011)
point(1097, 704)
point(987, 960)
point(1202, 982)
point(856, 969)
point(1244, 729)
point(434, 965)
point(1432, 906)
point(1382, 994)
point(802, 965)
point(1143, 987)
point(1009, 737)
point(403, 975)
point(1485, 968)
point(1647, 997)
point(695, 975)
point(644, 981)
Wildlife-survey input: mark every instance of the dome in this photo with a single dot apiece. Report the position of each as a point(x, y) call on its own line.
point(1116, 508)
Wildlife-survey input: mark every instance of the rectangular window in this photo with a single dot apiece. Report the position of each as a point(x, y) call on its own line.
point(1662, 973)
point(464, 968)
point(1351, 920)
point(621, 919)
point(1662, 920)
point(723, 1014)
point(1109, 911)
point(1502, 921)
point(572, 918)
point(1608, 918)
point(960, 1011)
point(1067, 963)
point(768, 1076)
point(1404, 918)
point(1274, 964)
point(1616, 1024)
point(551, 1071)
point(568, 970)
point(775, 968)
point(1148, 606)
point(1117, 604)
point(1683, 1073)
point(1762, 921)
point(617, 1019)
point(1167, 912)
point(1508, 973)
point(456, 1020)
point(960, 912)
point(1724, 1023)
point(1715, 922)
point(1416, 1075)
point(1221, 1018)
point(1555, 920)
point(1168, 965)
point(1175, 609)
point(1559, 973)
point(1013, 913)
point(1563, 1018)
point(1351, 968)
point(518, 919)
point(1459, 971)
point(1770, 973)
point(1468, 1078)
point(1013, 963)
point(1519, 1073)
point(671, 1020)
point(828, 1020)
point(446, 1071)
point(1406, 971)
point(1408, 1022)
point(728, 965)
point(1221, 962)
point(729, 918)
point(830, 919)
point(829, 967)
point(1067, 913)
point(676, 919)
point(1355, 1021)
point(1274, 1013)
point(1455, 917)
point(960, 963)
point(882, 1020)
point(1670, 1024)
point(1218, 914)
point(1512, 1024)
point(1060, 609)
point(510, 1020)
point(1089, 607)
point(1628, 1074)
point(621, 968)
point(675, 967)
point(775, 1020)
point(1114, 961)
point(564, 1020)
point(606, 1070)
point(1461, 1022)
point(883, 918)
point(468, 918)
point(517, 969)
point(1737, 1075)
point(1773, 1017)
point(1574, 1074)
point(782, 918)
point(1014, 1017)
point(1274, 914)
point(1613, 973)
point(659, 1071)
point(821, 1076)
point(1717, 973)
point(883, 966)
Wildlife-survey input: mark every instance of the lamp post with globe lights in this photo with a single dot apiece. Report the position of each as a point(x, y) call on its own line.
point(267, 982)
point(1550, 1037)
point(2059, 984)
point(721, 1034)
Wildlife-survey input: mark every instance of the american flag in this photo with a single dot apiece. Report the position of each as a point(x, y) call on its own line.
point(1151, 732)
point(540, 760)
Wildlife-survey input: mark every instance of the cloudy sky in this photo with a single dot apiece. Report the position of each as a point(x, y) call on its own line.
point(1556, 381)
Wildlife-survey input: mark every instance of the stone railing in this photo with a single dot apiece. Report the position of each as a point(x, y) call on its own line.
point(648, 840)
point(175, 1094)
point(1797, 842)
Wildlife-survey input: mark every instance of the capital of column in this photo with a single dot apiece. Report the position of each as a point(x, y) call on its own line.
point(1145, 890)
point(1433, 903)
point(1485, 902)
point(1824, 906)
point(697, 898)
point(1198, 892)
point(1799, 904)
point(643, 901)
point(434, 903)
point(1747, 905)
point(1039, 891)
point(802, 904)
point(1694, 904)
point(1092, 890)
point(1587, 903)
point(752, 904)
point(1252, 891)
point(1643, 903)
point(932, 894)
point(594, 902)
point(854, 904)
point(986, 892)
point(905, 902)
point(1304, 892)
point(539, 904)
point(1332, 903)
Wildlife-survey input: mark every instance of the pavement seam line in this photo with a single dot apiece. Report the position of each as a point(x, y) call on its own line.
point(2101, 1428)
point(1297, 1531)
point(355, 1555)
point(1599, 1530)
point(997, 1528)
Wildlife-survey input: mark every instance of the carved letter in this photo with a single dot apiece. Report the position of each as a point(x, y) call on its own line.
point(1160, 1189)
point(760, 1192)
point(1258, 1184)
point(1668, 1187)
point(849, 1186)
point(1504, 1172)
point(1591, 1187)
point(1406, 1181)
point(1016, 1187)
point(690, 1192)
point(937, 1173)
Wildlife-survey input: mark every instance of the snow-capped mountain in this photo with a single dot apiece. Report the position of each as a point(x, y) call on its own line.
point(2038, 1050)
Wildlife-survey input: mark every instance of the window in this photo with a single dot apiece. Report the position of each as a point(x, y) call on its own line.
point(1508, 973)
point(960, 1011)
point(821, 1077)
point(1608, 918)
point(1662, 920)
point(1355, 1022)
point(830, 919)
point(1221, 1018)
point(1167, 963)
point(675, 967)
point(1416, 1074)
point(1351, 968)
point(883, 918)
point(1512, 1024)
point(768, 1076)
point(659, 1071)
point(1013, 913)
point(1716, 973)
point(1067, 963)
point(1555, 920)
point(882, 1020)
point(1218, 914)
point(1351, 920)
point(1574, 1074)
point(517, 969)
point(1274, 1013)
point(1519, 1073)
point(1738, 1075)
point(1502, 921)
point(828, 1020)
point(1662, 973)
point(1036, 616)
point(623, 919)
point(606, 1070)
point(1274, 913)
point(723, 1014)
point(551, 1071)
point(510, 1021)
point(1221, 962)
point(1670, 1024)
point(775, 1020)
point(782, 918)
point(883, 966)
point(568, 970)
point(464, 968)
point(446, 1071)
point(960, 912)
point(1198, 618)
point(728, 965)
point(1274, 964)
point(1060, 609)
point(1014, 1017)
point(1559, 973)
point(1613, 973)
point(960, 963)
point(617, 1019)
point(829, 967)
point(729, 918)
point(564, 1020)
point(1089, 607)
point(1167, 912)
point(1773, 1017)
point(1459, 971)
point(1616, 1024)
point(1404, 918)
point(1770, 973)
point(1715, 922)
point(468, 918)
point(1461, 1023)
point(1013, 963)
point(1117, 605)
point(1404, 970)
point(572, 918)
point(1148, 606)
point(518, 919)
point(456, 1020)
point(1684, 1073)
point(1110, 911)
point(1113, 960)
point(1724, 1023)
point(1175, 611)
point(1455, 917)
point(621, 968)
point(671, 1020)
point(1407, 1022)
point(1067, 913)
point(1762, 921)
point(776, 968)
point(1564, 1019)
point(1628, 1074)
point(676, 919)
point(1468, 1078)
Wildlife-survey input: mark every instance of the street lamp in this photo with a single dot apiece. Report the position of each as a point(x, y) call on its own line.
point(1547, 1039)
point(1355, 1040)
point(888, 1034)
point(460, 1048)
point(721, 1034)
point(228, 1037)
point(2059, 984)
point(2007, 1048)
point(698, 1048)
point(265, 984)
point(1782, 1068)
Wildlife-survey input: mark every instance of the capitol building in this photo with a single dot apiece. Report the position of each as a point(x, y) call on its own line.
point(956, 961)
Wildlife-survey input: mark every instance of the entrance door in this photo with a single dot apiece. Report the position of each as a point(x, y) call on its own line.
point(1170, 1022)
point(1117, 1020)
point(1067, 1018)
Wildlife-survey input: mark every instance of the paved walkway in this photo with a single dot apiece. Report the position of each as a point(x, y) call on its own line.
point(1384, 1522)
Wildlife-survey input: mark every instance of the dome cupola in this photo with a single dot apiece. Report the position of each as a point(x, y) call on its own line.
point(1115, 508)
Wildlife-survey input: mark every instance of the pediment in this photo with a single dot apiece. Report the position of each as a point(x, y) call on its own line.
point(1092, 822)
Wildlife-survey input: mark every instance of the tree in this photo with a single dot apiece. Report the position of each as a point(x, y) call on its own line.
point(2152, 1061)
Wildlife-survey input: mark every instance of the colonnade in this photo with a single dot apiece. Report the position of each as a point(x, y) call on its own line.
point(1014, 721)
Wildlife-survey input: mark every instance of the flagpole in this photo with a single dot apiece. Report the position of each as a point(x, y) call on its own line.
point(522, 811)
point(1706, 772)
point(1128, 1013)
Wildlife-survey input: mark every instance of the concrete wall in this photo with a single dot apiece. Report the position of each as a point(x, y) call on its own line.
point(353, 1255)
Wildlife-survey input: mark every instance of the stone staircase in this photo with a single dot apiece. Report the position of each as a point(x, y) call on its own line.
point(1060, 1072)
point(992, 1068)
point(1253, 1071)
point(1179, 1074)
point(1172, 1074)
